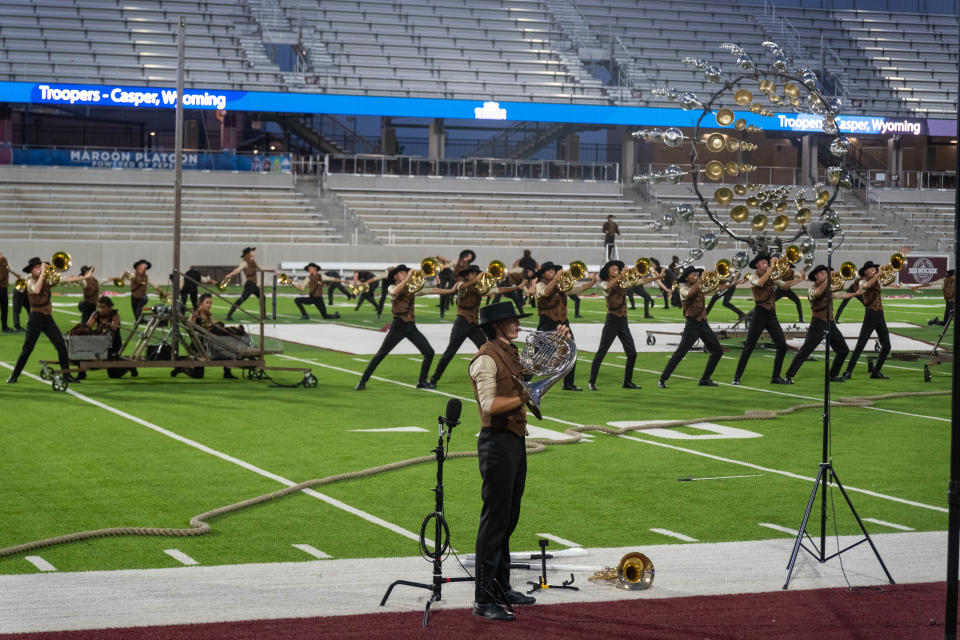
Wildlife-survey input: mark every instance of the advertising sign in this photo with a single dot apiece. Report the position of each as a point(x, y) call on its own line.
point(923, 269)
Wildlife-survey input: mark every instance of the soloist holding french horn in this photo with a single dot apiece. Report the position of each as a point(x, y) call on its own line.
point(502, 399)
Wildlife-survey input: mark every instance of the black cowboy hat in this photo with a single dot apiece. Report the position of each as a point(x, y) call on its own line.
point(499, 311)
point(686, 273)
point(392, 274)
point(817, 269)
point(84, 269)
point(605, 270)
point(470, 269)
point(867, 265)
point(142, 261)
point(247, 250)
point(312, 264)
point(546, 266)
point(30, 265)
point(757, 258)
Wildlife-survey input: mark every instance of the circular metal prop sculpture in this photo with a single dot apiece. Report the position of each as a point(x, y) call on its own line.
point(758, 89)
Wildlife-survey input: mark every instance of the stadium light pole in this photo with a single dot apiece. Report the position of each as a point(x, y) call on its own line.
point(953, 488)
point(177, 189)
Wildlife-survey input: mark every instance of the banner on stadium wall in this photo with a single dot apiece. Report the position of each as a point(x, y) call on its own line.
point(110, 159)
point(164, 98)
point(923, 269)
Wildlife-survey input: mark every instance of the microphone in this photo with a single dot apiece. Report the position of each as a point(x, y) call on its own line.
point(454, 406)
point(822, 229)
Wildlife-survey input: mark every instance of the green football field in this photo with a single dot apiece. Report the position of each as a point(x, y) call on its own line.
point(155, 451)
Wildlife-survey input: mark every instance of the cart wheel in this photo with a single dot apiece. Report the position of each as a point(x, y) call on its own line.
point(260, 374)
point(876, 345)
point(651, 339)
point(309, 380)
point(46, 373)
point(58, 383)
point(250, 373)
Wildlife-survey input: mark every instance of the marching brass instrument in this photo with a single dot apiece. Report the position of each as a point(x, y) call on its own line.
point(568, 278)
point(634, 572)
point(781, 270)
point(222, 285)
point(164, 296)
point(888, 272)
point(848, 270)
point(714, 169)
point(489, 278)
point(793, 254)
point(428, 269)
point(709, 282)
point(724, 268)
point(59, 263)
point(496, 269)
point(838, 279)
point(358, 289)
point(631, 275)
point(725, 117)
point(20, 285)
point(284, 279)
point(118, 282)
point(548, 354)
point(723, 196)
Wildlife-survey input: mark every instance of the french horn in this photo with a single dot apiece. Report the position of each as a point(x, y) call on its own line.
point(546, 354)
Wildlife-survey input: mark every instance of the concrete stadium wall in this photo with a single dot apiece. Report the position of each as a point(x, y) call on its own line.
point(471, 185)
point(147, 177)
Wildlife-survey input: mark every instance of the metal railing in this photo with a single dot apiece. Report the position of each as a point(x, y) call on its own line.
point(943, 180)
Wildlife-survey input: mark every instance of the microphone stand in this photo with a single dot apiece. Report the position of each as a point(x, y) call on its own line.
point(441, 544)
point(827, 475)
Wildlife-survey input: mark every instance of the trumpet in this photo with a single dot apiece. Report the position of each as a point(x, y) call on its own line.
point(118, 282)
point(59, 263)
point(428, 269)
point(888, 272)
point(569, 277)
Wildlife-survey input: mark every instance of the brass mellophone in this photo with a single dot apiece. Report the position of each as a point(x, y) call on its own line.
point(428, 269)
point(569, 277)
point(58, 263)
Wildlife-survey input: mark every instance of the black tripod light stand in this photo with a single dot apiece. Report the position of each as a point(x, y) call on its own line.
point(827, 474)
point(441, 531)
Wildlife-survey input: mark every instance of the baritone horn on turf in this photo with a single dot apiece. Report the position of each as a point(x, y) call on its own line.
point(59, 263)
point(569, 277)
point(428, 269)
point(888, 272)
point(547, 354)
point(634, 572)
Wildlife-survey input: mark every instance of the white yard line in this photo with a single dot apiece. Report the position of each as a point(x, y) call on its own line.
point(776, 527)
point(884, 523)
point(673, 534)
point(559, 540)
point(181, 557)
point(40, 563)
point(313, 551)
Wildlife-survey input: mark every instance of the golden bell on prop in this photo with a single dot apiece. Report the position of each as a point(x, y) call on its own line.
point(791, 90)
point(725, 117)
point(739, 213)
point(747, 168)
point(732, 168)
point(743, 97)
point(753, 201)
point(800, 199)
point(752, 128)
point(756, 107)
point(715, 142)
point(780, 223)
point(740, 190)
point(774, 98)
point(766, 112)
point(803, 216)
point(723, 196)
point(714, 170)
point(759, 222)
point(781, 206)
point(766, 205)
point(822, 198)
point(796, 101)
point(732, 144)
point(766, 86)
point(740, 124)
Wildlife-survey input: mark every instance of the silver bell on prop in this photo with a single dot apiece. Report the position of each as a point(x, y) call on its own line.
point(673, 173)
point(673, 137)
point(740, 260)
point(840, 146)
point(668, 219)
point(708, 241)
point(807, 245)
point(684, 212)
point(695, 253)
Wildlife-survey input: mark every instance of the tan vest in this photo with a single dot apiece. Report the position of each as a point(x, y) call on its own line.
point(91, 290)
point(818, 306)
point(553, 306)
point(39, 301)
point(138, 285)
point(250, 271)
point(948, 290)
point(468, 304)
point(508, 366)
point(694, 308)
point(402, 305)
point(617, 301)
point(872, 297)
point(765, 296)
point(315, 285)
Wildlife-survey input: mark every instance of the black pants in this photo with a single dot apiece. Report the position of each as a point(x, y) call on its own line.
point(461, 331)
point(249, 289)
point(317, 302)
point(3, 307)
point(873, 320)
point(137, 304)
point(763, 319)
point(692, 331)
point(845, 301)
point(727, 296)
point(503, 470)
point(576, 304)
point(86, 310)
point(789, 293)
point(546, 324)
point(189, 292)
point(947, 312)
point(20, 301)
point(514, 295)
point(383, 297)
point(615, 327)
point(648, 302)
point(340, 287)
point(38, 323)
point(398, 331)
point(815, 333)
point(368, 296)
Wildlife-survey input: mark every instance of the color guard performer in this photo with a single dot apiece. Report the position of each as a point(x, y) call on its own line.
point(334, 281)
point(873, 321)
point(40, 320)
point(948, 286)
point(821, 308)
point(616, 325)
point(203, 316)
point(4, 283)
point(465, 326)
point(697, 327)
point(552, 307)
point(313, 283)
point(106, 320)
point(91, 292)
point(404, 325)
point(249, 267)
point(138, 287)
point(763, 288)
point(372, 281)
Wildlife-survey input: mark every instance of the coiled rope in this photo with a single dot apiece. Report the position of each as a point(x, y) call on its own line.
point(199, 524)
